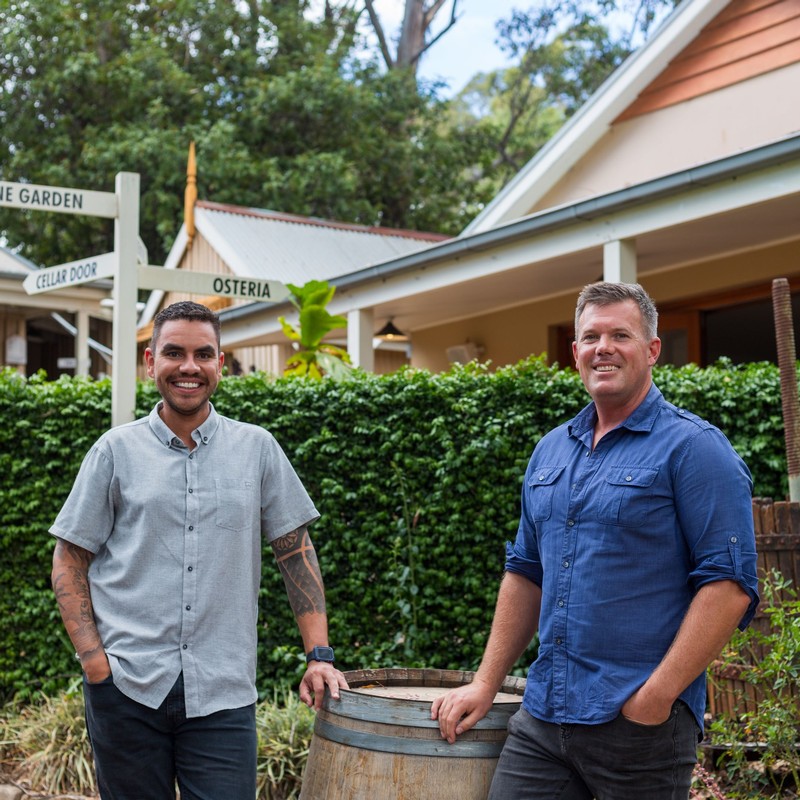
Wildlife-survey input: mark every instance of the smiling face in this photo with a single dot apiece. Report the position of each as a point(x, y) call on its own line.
point(186, 364)
point(614, 356)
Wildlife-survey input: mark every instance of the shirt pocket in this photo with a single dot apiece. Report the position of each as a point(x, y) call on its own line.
point(542, 485)
point(626, 497)
point(235, 508)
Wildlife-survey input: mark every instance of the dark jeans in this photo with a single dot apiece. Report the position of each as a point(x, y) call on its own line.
point(619, 760)
point(140, 752)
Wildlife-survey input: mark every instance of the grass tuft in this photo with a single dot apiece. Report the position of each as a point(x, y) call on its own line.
point(45, 745)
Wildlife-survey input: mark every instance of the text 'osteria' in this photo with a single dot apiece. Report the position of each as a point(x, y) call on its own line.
point(241, 287)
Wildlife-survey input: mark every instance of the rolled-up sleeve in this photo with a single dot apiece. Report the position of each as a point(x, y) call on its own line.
point(517, 561)
point(522, 555)
point(714, 503)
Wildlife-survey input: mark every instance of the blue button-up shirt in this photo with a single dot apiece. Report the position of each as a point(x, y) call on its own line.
point(620, 538)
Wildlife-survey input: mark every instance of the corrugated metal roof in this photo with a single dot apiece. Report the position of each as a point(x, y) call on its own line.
point(287, 248)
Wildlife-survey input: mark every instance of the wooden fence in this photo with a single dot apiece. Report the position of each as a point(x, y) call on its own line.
point(777, 527)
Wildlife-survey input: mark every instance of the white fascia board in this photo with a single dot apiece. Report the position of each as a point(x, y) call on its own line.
point(696, 203)
point(173, 260)
point(592, 121)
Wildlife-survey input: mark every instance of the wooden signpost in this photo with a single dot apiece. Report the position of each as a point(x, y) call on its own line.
point(127, 266)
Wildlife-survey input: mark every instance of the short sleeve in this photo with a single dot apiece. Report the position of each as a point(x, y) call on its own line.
point(285, 503)
point(87, 517)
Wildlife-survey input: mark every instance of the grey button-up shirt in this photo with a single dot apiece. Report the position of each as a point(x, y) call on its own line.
point(177, 538)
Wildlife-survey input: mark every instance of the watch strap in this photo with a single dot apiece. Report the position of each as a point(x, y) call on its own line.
point(320, 653)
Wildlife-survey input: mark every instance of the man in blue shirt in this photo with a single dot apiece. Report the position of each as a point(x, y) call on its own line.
point(635, 559)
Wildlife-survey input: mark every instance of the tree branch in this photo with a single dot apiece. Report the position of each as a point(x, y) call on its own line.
point(428, 15)
point(378, 28)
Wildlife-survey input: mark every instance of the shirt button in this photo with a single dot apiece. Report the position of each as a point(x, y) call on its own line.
point(541, 477)
point(561, 604)
point(558, 641)
point(189, 569)
point(628, 478)
point(570, 522)
point(205, 439)
point(564, 564)
point(186, 647)
point(734, 539)
point(191, 527)
point(191, 491)
point(188, 608)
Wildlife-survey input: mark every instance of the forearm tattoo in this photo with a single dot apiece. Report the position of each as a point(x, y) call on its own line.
point(70, 580)
point(298, 564)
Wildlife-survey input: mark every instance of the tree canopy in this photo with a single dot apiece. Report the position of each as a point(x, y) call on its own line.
point(289, 107)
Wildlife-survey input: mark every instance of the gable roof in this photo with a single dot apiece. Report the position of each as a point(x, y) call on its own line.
point(595, 118)
point(288, 248)
point(13, 264)
point(746, 39)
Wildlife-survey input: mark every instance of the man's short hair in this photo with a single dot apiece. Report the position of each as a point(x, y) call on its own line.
point(604, 293)
point(185, 309)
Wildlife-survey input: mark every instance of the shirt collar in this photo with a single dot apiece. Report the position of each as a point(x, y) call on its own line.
point(202, 434)
point(641, 419)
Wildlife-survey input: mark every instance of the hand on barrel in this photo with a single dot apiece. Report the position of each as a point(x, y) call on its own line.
point(319, 675)
point(459, 709)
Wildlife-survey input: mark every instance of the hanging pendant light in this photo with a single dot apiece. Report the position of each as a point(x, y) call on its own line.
point(391, 333)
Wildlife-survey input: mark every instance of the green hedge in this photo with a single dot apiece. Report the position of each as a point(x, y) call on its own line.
point(417, 477)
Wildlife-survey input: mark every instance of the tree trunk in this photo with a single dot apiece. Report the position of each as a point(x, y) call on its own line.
point(412, 35)
point(413, 41)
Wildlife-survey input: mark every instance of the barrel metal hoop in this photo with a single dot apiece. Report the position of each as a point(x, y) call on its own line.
point(412, 713)
point(405, 746)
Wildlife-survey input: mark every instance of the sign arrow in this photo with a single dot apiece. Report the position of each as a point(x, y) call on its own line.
point(71, 274)
point(209, 283)
point(58, 198)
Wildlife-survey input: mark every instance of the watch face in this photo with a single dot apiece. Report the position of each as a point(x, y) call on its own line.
point(321, 654)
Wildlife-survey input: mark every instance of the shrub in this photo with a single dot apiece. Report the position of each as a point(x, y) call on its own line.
point(285, 727)
point(417, 477)
point(760, 757)
point(46, 745)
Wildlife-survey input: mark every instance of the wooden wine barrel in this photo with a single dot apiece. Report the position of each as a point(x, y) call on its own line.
point(378, 742)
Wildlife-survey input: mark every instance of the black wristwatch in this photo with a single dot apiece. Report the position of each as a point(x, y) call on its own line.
point(320, 654)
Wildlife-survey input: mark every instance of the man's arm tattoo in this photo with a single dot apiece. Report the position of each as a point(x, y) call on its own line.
point(70, 580)
point(298, 564)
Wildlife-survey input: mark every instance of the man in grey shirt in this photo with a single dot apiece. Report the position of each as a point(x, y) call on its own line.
point(156, 570)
